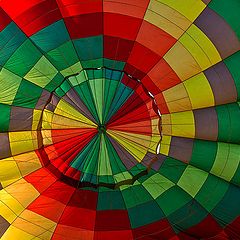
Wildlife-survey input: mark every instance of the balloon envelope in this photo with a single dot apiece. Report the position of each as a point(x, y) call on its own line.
point(119, 119)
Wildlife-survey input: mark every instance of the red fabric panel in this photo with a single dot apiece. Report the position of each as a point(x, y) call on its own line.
point(136, 73)
point(84, 199)
point(158, 230)
point(112, 220)
point(161, 103)
point(163, 75)
point(117, 48)
point(41, 179)
point(32, 16)
point(71, 8)
point(143, 58)
point(121, 26)
point(154, 38)
point(134, 8)
point(78, 217)
point(85, 25)
point(133, 110)
point(63, 232)
point(207, 227)
point(60, 192)
point(4, 19)
point(149, 85)
point(113, 235)
point(47, 207)
point(233, 229)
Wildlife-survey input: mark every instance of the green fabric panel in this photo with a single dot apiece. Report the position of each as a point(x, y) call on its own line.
point(229, 10)
point(56, 34)
point(113, 75)
point(157, 185)
point(92, 63)
point(56, 81)
point(42, 72)
point(187, 216)
point(233, 64)
point(135, 195)
point(227, 161)
point(110, 91)
point(77, 80)
point(123, 93)
point(97, 89)
point(104, 166)
point(23, 59)
point(118, 65)
point(192, 180)
point(110, 199)
point(137, 169)
point(11, 38)
point(211, 192)
point(87, 159)
point(228, 208)
point(173, 199)
point(27, 95)
point(5, 111)
point(116, 163)
point(236, 177)
point(228, 123)
point(203, 154)
point(9, 84)
point(63, 56)
point(89, 48)
point(85, 94)
point(145, 214)
point(172, 169)
point(105, 178)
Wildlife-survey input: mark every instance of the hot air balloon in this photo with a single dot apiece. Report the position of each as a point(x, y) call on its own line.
point(119, 119)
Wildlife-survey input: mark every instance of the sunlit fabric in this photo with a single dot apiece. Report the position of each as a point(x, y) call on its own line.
point(119, 119)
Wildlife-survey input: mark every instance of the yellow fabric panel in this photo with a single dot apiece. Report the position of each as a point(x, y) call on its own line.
point(47, 119)
point(200, 47)
point(167, 19)
point(36, 118)
point(155, 136)
point(65, 109)
point(54, 121)
point(47, 137)
point(6, 212)
point(136, 144)
point(199, 91)
point(205, 43)
point(38, 220)
point(183, 124)
point(9, 84)
point(165, 144)
point(77, 67)
point(189, 8)
point(11, 202)
point(185, 68)
point(27, 162)
point(177, 98)
point(17, 234)
point(23, 192)
point(166, 124)
point(42, 73)
point(35, 225)
point(23, 141)
point(9, 172)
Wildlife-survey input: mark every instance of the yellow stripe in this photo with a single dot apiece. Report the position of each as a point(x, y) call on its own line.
point(200, 91)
